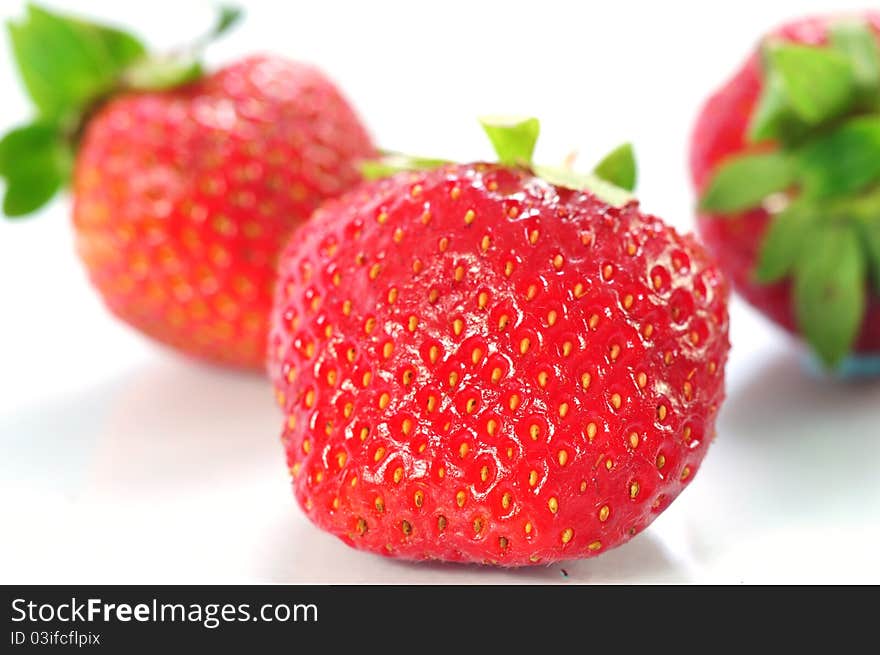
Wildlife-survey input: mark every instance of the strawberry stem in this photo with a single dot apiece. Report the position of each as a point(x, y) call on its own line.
point(389, 163)
point(163, 72)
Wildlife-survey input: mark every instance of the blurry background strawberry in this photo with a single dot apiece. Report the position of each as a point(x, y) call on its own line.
point(185, 184)
point(786, 157)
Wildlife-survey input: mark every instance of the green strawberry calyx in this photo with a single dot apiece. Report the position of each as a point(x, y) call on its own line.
point(514, 138)
point(68, 67)
point(814, 165)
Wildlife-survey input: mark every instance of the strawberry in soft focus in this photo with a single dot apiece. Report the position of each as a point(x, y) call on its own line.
point(478, 364)
point(786, 159)
point(185, 185)
point(184, 198)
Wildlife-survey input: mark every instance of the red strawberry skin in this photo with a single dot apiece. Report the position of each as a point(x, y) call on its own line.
point(477, 366)
point(183, 199)
point(719, 133)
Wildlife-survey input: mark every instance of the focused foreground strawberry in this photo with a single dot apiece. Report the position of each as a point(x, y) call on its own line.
point(185, 185)
point(786, 160)
point(498, 363)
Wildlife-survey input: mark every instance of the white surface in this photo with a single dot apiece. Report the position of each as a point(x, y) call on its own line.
point(120, 462)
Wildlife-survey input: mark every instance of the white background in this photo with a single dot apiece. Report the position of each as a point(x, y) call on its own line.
point(122, 462)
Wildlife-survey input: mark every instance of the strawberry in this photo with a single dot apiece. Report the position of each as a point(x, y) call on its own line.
point(497, 363)
point(185, 185)
point(785, 157)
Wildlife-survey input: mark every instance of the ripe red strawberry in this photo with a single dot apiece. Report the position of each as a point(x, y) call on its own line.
point(785, 158)
point(479, 365)
point(184, 196)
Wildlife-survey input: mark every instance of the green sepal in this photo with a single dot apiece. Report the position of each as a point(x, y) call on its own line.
point(844, 161)
point(618, 167)
point(569, 179)
point(782, 242)
point(856, 40)
point(820, 104)
point(744, 182)
point(391, 162)
point(811, 86)
point(772, 117)
point(66, 63)
point(514, 141)
point(513, 138)
point(122, 48)
point(29, 190)
point(871, 237)
point(829, 290)
point(818, 82)
point(68, 67)
point(228, 17)
point(35, 163)
point(864, 213)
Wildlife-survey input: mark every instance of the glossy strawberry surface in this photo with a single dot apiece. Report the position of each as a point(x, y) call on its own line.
point(720, 132)
point(478, 366)
point(184, 198)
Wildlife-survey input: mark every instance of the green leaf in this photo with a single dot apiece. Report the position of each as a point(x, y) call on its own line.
point(390, 163)
point(565, 177)
point(844, 161)
point(744, 182)
point(829, 290)
point(818, 82)
point(618, 167)
point(513, 138)
point(35, 163)
point(782, 242)
point(66, 63)
point(855, 40)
